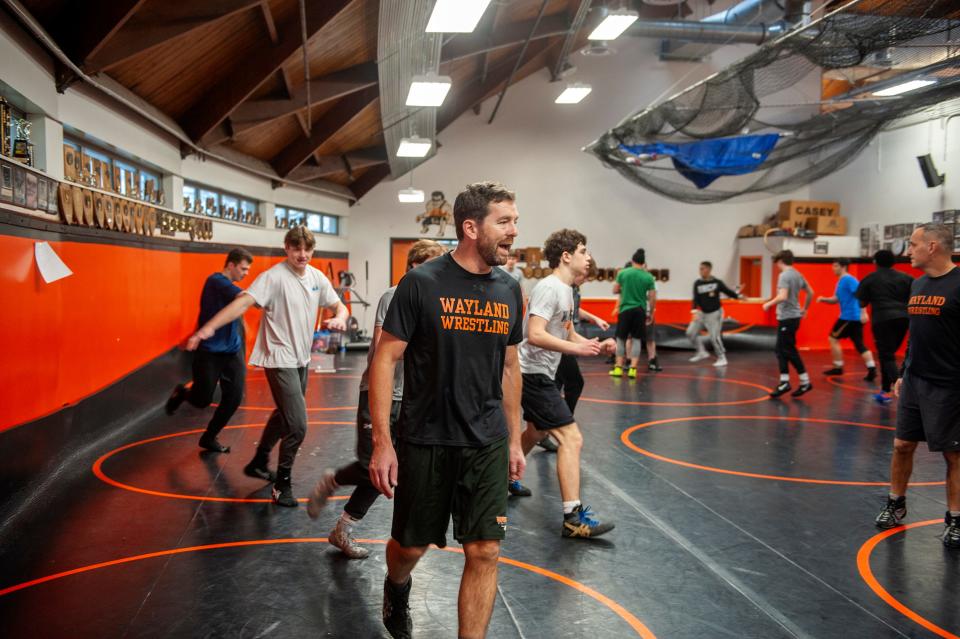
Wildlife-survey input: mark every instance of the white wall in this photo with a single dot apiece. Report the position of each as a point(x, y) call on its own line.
point(891, 189)
point(26, 68)
point(534, 147)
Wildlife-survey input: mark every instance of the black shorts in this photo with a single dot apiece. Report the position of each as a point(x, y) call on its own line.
point(365, 427)
point(542, 403)
point(930, 413)
point(437, 482)
point(847, 329)
point(632, 323)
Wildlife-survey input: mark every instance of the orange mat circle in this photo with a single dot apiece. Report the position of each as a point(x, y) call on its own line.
point(637, 625)
point(625, 438)
point(102, 476)
point(863, 566)
point(738, 382)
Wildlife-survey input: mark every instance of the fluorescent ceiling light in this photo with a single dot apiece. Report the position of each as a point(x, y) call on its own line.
point(414, 147)
point(904, 87)
point(428, 90)
point(613, 25)
point(574, 93)
point(410, 196)
point(456, 16)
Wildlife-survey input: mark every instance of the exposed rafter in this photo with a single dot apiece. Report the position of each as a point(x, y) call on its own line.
point(87, 27)
point(250, 73)
point(508, 36)
point(326, 127)
point(158, 23)
point(331, 164)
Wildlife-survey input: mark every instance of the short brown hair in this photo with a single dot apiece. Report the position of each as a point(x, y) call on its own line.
point(785, 256)
point(299, 235)
point(473, 203)
point(238, 255)
point(941, 233)
point(560, 242)
point(421, 251)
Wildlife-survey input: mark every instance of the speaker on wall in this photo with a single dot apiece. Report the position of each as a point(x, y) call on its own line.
point(930, 175)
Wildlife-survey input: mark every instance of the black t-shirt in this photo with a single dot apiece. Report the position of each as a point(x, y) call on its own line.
point(934, 349)
point(706, 294)
point(457, 326)
point(888, 291)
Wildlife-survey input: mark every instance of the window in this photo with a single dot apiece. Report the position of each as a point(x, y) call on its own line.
point(204, 200)
point(97, 167)
point(285, 218)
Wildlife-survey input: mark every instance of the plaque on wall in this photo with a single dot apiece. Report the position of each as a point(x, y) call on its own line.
point(107, 212)
point(52, 187)
point(42, 194)
point(66, 203)
point(6, 182)
point(98, 213)
point(31, 195)
point(77, 196)
point(19, 186)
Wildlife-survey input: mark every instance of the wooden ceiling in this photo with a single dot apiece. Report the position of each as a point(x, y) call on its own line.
point(231, 72)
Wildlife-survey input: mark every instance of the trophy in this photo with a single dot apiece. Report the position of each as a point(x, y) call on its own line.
point(5, 115)
point(21, 145)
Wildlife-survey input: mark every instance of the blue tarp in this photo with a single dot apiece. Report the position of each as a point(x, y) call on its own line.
point(704, 161)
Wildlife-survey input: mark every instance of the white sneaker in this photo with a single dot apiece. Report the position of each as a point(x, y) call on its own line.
point(340, 538)
point(721, 361)
point(699, 356)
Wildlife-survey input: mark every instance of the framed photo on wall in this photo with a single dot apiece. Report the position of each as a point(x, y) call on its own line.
point(31, 196)
point(6, 182)
point(19, 186)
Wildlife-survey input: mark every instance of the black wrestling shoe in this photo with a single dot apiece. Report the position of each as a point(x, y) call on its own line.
point(782, 389)
point(212, 444)
point(951, 534)
point(396, 609)
point(836, 371)
point(259, 470)
point(654, 366)
point(871, 374)
point(892, 513)
point(803, 389)
point(582, 523)
point(516, 489)
point(177, 397)
point(283, 495)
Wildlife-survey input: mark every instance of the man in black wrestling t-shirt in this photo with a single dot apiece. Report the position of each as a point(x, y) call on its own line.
point(456, 322)
point(929, 388)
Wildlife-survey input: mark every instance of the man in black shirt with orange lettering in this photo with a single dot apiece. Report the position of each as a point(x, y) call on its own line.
point(929, 389)
point(456, 322)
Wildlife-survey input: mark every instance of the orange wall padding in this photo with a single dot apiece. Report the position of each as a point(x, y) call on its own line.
point(813, 329)
point(121, 308)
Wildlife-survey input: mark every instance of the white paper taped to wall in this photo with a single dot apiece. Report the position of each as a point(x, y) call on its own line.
point(51, 266)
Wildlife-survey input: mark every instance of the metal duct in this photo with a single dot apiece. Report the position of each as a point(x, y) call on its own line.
point(404, 50)
point(707, 31)
point(751, 21)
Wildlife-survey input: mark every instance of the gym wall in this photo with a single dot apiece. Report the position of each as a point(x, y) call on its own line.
point(128, 302)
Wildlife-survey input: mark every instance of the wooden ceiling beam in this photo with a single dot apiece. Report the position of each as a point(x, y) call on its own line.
point(158, 23)
point(256, 113)
point(510, 35)
point(338, 117)
point(349, 161)
point(269, 22)
point(237, 85)
point(84, 30)
point(368, 180)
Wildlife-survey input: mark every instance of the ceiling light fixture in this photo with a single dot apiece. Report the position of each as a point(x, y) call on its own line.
point(428, 90)
point(456, 16)
point(410, 195)
point(414, 147)
point(897, 89)
point(574, 93)
point(613, 25)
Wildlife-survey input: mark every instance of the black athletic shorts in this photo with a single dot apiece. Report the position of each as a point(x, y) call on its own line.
point(847, 329)
point(632, 323)
point(930, 413)
point(542, 403)
point(435, 482)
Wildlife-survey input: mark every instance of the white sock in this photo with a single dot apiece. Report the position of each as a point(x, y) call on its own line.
point(871, 364)
point(348, 522)
point(804, 378)
point(785, 377)
point(838, 364)
point(569, 506)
